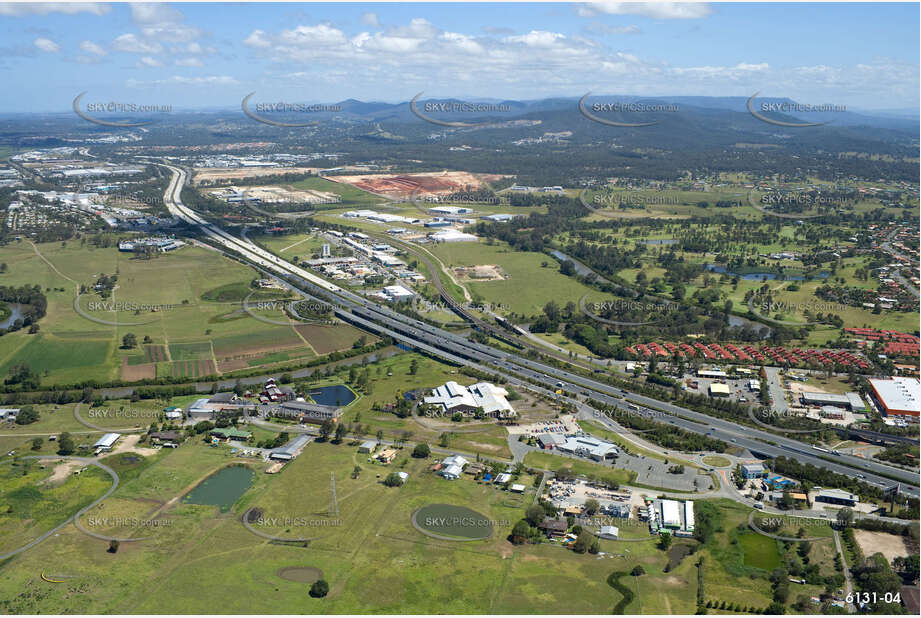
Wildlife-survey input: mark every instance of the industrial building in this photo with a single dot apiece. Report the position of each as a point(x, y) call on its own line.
point(450, 210)
point(672, 516)
point(450, 235)
point(899, 395)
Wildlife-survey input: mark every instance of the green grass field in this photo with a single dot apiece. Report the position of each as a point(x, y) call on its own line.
point(199, 318)
point(521, 292)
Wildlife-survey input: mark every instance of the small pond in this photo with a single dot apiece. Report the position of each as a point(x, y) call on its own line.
point(223, 488)
point(15, 314)
point(716, 268)
point(337, 395)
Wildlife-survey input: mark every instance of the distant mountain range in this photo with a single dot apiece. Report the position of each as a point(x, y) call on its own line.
point(903, 119)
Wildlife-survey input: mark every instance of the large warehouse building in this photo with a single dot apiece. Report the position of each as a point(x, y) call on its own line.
point(901, 396)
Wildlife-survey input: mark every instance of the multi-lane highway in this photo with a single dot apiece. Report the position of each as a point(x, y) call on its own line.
point(459, 349)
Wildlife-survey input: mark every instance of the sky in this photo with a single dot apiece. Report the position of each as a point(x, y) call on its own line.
point(206, 55)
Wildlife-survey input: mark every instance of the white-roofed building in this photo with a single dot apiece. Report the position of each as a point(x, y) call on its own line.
point(452, 397)
point(587, 446)
point(451, 472)
point(689, 516)
point(107, 441)
point(609, 532)
point(450, 235)
point(455, 460)
point(671, 517)
point(492, 399)
point(899, 395)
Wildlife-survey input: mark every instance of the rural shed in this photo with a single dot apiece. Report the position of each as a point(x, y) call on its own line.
point(107, 441)
point(290, 450)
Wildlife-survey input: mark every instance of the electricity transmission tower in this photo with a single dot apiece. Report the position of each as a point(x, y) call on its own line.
point(333, 502)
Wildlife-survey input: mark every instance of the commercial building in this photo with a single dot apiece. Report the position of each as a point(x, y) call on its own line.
point(550, 440)
point(753, 471)
point(837, 496)
point(897, 396)
point(587, 446)
point(452, 397)
point(825, 399)
point(719, 390)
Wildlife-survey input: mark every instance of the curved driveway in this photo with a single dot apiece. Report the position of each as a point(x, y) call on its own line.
point(76, 517)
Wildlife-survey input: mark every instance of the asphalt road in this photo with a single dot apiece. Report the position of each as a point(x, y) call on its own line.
point(457, 348)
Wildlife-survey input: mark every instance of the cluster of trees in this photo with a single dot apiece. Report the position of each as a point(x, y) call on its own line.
point(22, 376)
point(666, 435)
point(875, 576)
point(904, 454)
point(27, 415)
point(33, 306)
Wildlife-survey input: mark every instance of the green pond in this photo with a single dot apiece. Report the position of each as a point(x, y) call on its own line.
point(223, 488)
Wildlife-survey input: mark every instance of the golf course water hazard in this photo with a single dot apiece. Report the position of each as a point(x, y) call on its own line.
point(338, 395)
point(222, 488)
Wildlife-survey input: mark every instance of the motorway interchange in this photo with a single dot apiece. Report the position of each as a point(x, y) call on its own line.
point(520, 371)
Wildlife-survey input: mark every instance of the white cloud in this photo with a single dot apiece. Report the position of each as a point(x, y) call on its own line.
point(189, 62)
point(92, 48)
point(18, 9)
point(654, 10)
point(536, 38)
point(147, 61)
point(257, 39)
point(154, 13)
point(322, 35)
point(46, 45)
point(370, 19)
point(210, 80)
point(132, 43)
